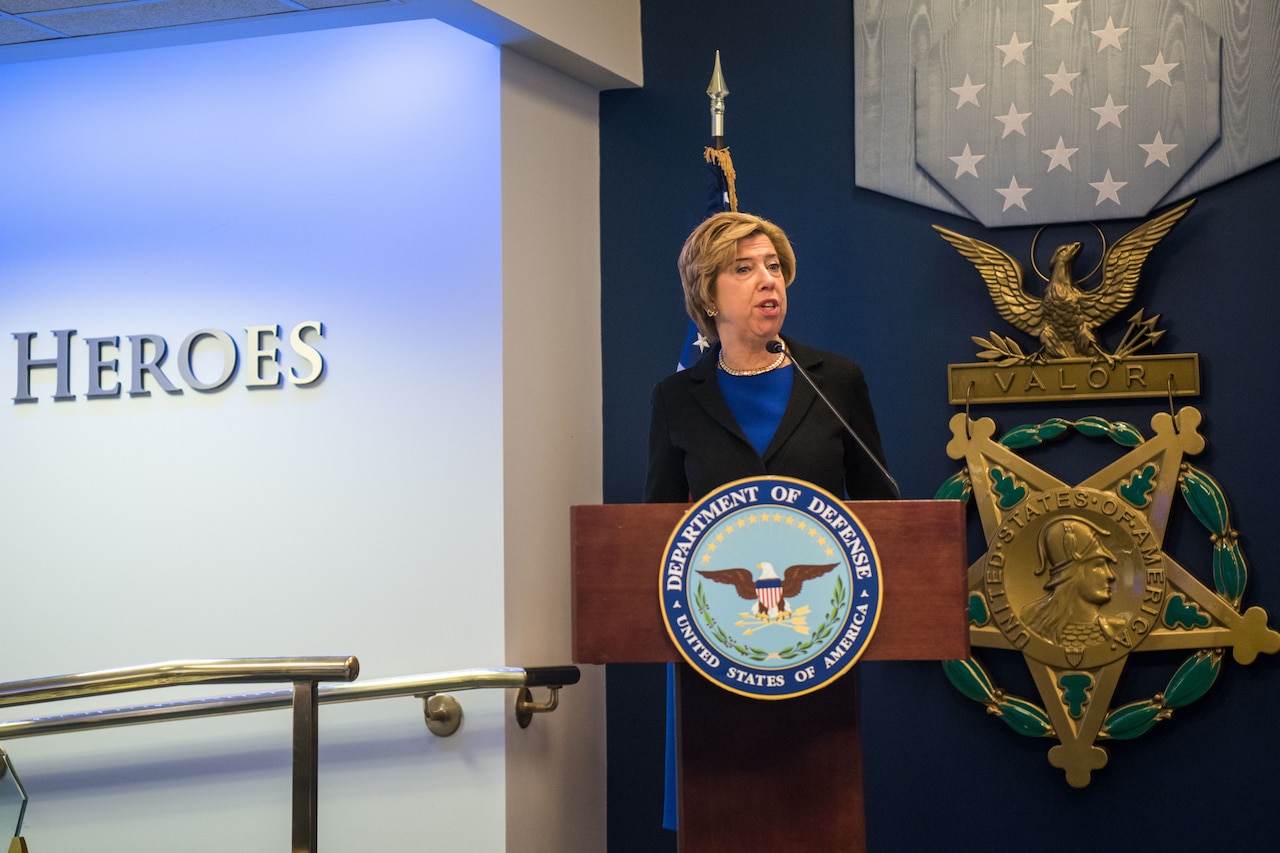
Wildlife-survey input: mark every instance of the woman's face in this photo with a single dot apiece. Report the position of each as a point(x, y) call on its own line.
point(750, 293)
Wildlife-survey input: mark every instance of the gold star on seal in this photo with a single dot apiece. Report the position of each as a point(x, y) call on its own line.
point(1075, 578)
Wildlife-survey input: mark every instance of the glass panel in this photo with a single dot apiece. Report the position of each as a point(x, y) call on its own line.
point(13, 797)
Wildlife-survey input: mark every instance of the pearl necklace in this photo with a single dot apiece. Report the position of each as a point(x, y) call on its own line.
point(782, 356)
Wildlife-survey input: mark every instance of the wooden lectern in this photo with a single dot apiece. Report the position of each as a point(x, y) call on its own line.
point(756, 774)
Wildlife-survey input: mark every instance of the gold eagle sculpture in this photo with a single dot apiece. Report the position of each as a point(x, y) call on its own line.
point(1066, 317)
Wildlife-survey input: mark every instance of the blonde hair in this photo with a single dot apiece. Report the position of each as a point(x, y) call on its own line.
point(710, 247)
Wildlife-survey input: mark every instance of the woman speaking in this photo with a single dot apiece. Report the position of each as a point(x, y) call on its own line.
point(741, 411)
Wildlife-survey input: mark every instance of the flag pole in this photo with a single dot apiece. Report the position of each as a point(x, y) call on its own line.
point(718, 152)
point(722, 194)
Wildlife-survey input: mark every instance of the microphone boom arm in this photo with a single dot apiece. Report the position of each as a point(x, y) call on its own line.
point(779, 346)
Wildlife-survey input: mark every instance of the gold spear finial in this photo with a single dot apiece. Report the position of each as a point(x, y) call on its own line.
point(718, 152)
point(717, 91)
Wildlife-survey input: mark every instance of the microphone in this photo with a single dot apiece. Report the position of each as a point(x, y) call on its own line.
point(777, 346)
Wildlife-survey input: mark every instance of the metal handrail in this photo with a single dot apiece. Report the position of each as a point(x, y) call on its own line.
point(386, 688)
point(304, 698)
point(223, 671)
point(305, 673)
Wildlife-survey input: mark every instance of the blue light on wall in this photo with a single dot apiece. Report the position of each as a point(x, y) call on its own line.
point(344, 178)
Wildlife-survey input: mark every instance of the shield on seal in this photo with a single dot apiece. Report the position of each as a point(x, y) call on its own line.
point(769, 592)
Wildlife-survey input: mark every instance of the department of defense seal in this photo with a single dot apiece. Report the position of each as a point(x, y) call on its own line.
point(770, 587)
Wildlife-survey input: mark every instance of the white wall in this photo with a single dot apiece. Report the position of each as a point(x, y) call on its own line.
point(552, 436)
point(344, 176)
point(159, 203)
point(598, 41)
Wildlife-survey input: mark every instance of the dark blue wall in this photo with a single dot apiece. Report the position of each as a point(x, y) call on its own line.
point(877, 284)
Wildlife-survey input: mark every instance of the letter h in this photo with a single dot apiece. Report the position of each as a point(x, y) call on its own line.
point(62, 362)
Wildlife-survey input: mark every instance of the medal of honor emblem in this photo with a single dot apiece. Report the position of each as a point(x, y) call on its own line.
point(770, 587)
point(1077, 578)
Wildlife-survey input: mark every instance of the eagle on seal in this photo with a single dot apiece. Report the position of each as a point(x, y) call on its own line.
point(1065, 318)
point(770, 592)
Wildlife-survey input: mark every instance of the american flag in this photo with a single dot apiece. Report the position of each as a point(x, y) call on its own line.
point(721, 196)
point(1074, 110)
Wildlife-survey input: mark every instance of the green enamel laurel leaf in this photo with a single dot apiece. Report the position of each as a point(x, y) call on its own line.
point(1027, 435)
point(1093, 426)
point(954, 489)
point(1076, 687)
point(1132, 720)
point(1125, 434)
point(1179, 612)
point(1024, 717)
point(1205, 499)
point(1138, 488)
point(970, 679)
point(1033, 435)
point(1229, 573)
point(1193, 679)
point(978, 613)
point(1053, 428)
point(1011, 494)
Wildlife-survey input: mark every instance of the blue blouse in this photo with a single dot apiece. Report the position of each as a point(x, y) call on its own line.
point(757, 402)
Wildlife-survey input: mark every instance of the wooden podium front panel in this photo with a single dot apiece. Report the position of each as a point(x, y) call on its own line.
point(760, 775)
point(617, 553)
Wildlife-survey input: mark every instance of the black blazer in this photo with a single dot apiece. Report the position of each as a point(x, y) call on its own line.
point(695, 445)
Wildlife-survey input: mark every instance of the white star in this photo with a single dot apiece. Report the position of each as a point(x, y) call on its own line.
point(1107, 189)
point(1109, 113)
point(701, 343)
point(1012, 121)
point(1159, 70)
point(967, 162)
point(1062, 11)
point(1059, 156)
point(968, 93)
point(1061, 80)
point(1013, 194)
point(1014, 50)
point(1157, 150)
point(1109, 36)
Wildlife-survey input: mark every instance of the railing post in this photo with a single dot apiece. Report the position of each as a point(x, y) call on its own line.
point(306, 765)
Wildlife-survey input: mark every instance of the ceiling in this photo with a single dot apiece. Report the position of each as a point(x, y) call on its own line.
point(44, 21)
point(47, 29)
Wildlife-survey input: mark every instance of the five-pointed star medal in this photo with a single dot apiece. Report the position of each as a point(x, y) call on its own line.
point(1098, 545)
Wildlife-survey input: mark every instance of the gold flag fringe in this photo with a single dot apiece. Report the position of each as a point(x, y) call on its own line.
point(720, 156)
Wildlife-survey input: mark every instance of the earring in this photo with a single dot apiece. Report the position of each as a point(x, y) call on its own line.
point(711, 312)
